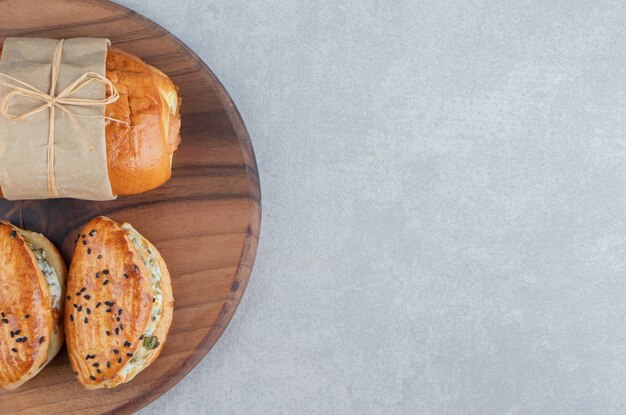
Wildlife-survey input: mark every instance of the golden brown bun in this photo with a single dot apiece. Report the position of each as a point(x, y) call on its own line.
point(31, 332)
point(139, 155)
point(114, 277)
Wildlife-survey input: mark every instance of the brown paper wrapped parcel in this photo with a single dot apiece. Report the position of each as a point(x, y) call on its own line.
point(52, 123)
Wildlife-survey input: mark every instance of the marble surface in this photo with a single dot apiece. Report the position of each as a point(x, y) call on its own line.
point(444, 194)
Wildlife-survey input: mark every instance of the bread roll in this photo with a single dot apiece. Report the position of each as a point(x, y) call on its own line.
point(139, 155)
point(32, 281)
point(121, 286)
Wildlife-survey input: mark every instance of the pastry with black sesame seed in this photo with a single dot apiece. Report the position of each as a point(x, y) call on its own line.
point(132, 282)
point(32, 275)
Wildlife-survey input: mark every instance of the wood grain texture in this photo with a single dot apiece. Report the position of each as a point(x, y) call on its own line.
point(205, 220)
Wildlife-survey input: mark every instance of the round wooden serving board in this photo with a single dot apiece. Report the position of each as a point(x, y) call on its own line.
point(204, 221)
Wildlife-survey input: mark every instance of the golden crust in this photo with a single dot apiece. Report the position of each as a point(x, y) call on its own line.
point(54, 258)
point(139, 155)
point(109, 271)
point(162, 327)
point(30, 335)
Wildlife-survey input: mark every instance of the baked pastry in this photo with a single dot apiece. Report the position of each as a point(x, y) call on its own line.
point(139, 153)
point(119, 304)
point(32, 281)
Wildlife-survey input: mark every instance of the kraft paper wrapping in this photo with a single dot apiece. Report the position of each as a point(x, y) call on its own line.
point(79, 160)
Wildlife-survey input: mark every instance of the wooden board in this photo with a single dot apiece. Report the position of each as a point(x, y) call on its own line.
point(205, 220)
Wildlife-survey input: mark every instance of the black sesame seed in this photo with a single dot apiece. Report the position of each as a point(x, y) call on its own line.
point(105, 282)
point(108, 333)
point(127, 343)
point(108, 310)
point(14, 350)
point(135, 267)
point(105, 271)
point(109, 365)
point(83, 236)
point(141, 337)
point(42, 339)
point(153, 318)
point(117, 319)
point(107, 303)
point(97, 275)
point(92, 232)
point(80, 308)
point(87, 297)
point(82, 290)
point(120, 312)
point(116, 351)
point(119, 360)
point(12, 334)
point(24, 339)
point(126, 276)
point(6, 321)
point(71, 317)
point(13, 234)
point(117, 330)
point(78, 294)
point(88, 251)
point(27, 316)
point(153, 299)
point(92, 377)
point(68, 297)
point(76, 373)
point(17, 331)
point(18, 340)
point(2, 314)
point(84, 242)
point(98, 304)
point(121, 327)
point(96, 364)
point(88, 310)
point(129, 354)
point(75, 305)
point(98, 371)
point(86, 320)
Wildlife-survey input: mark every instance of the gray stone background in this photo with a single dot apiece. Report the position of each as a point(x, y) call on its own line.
point(444, 225)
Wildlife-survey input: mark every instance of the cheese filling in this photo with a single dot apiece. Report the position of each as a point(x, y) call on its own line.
point(50, 274)
point(152, 263)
